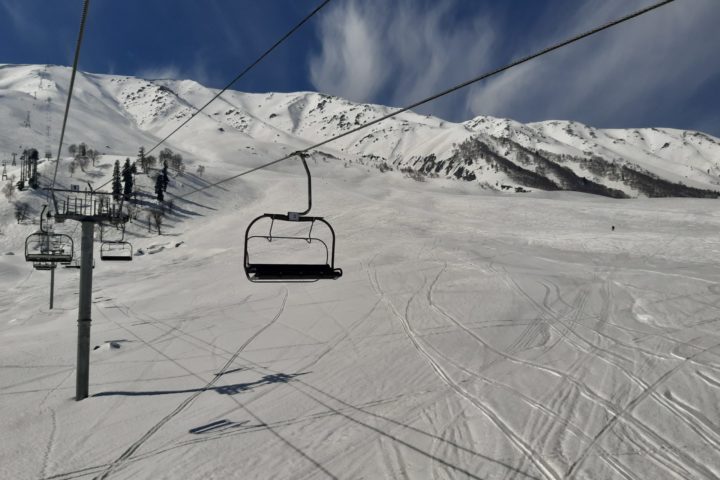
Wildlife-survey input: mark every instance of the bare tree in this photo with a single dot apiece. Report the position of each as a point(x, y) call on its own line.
point(157, 216)
point(92, 155)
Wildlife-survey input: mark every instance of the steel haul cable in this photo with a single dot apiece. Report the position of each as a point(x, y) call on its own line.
point(455, 88)
point(238, 77)
point(246, 70)
point(78, 46)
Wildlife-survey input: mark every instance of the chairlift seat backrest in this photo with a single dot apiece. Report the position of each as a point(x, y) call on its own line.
point(116, 252)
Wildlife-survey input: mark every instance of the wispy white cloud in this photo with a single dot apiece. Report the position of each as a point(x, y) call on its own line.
point(198, 71)
point(13, 10)
point(20, 16)
point(400, 51)
point(641, 70)
point(351, 61)
point(164, 72)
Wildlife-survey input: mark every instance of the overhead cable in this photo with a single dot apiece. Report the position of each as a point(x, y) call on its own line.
point(246, 70)
point(78, 45)
point(234, 80)
point(455, 88)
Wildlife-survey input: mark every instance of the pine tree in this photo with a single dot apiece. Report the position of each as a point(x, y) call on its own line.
point(33, 157)
point(165, 178)
point(159, 188)
point(127, 175)
point(116, 185)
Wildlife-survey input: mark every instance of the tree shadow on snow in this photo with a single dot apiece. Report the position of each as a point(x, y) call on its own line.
point(176, 210)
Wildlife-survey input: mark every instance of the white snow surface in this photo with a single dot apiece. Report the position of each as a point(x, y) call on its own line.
point(474, 334)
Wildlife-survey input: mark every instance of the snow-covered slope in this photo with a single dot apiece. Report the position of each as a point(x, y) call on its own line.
point(473, 334)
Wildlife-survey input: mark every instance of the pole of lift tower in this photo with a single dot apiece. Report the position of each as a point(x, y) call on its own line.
point(52, 287)
point(84, 310)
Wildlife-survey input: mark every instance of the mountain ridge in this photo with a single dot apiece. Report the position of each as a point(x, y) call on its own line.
point(122, 113)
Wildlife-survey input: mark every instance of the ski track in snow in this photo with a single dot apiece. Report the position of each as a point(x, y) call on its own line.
point(568, 326)
point(135, 446)
point(130, 453)
point(445, 378)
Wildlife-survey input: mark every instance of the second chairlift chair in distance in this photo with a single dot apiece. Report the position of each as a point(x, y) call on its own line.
point(115, 250)
point(293, 272)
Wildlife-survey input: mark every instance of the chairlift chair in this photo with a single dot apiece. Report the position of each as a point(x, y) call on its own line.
point(293, 272)
point(44, 246)
point(115, 250)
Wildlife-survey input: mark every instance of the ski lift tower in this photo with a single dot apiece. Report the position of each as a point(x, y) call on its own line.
point(88, 208)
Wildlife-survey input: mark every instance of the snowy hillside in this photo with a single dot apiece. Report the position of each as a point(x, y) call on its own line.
point(118, 114)
point(474, 334)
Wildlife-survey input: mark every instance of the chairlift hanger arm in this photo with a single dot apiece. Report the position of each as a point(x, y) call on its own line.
point(294, 216)
point(41, 219)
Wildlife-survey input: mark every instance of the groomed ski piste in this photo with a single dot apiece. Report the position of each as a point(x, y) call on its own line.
point(474, 333)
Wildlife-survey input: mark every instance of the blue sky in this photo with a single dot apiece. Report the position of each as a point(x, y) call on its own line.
point(661, 70)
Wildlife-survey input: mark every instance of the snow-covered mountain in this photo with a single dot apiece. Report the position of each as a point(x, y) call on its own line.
point(118, 114)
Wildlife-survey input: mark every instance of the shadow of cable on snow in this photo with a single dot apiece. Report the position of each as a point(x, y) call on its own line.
point(511, 469)
point(233, 389)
